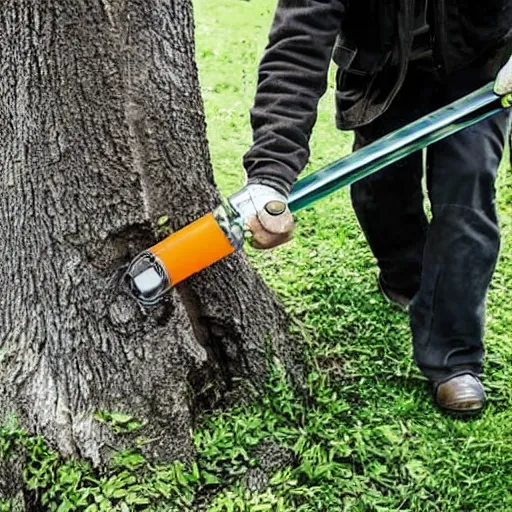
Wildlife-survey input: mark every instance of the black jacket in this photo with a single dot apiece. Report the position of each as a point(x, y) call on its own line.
point(370, 41)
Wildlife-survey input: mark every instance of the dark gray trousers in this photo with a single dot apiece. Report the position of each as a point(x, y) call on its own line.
point(447, 265)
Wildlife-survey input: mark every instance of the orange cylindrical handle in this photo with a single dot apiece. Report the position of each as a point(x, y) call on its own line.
point(193, 248)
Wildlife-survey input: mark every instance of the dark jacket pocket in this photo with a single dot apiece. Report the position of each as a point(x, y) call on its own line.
point(343, 56)
point(356, 60)
point(357, 70)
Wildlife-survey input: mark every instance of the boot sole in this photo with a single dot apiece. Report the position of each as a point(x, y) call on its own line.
point(460, 414)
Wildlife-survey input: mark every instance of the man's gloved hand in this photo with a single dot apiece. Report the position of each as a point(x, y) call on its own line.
point(503, 84)
point(265, 212)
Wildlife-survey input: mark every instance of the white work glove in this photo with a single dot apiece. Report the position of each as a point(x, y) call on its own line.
point(503, 84)
point(265, 212)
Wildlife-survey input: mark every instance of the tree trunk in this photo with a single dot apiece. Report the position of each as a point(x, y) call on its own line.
point(102, 132)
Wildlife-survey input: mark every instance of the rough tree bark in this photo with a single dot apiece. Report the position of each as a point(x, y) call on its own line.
point(102, 132)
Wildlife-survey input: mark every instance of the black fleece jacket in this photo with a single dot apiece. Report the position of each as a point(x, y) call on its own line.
point(370, 41)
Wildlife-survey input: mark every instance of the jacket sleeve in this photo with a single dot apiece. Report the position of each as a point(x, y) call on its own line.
point(292, 78)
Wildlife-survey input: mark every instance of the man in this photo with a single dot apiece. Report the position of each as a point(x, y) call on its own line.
point(397, 60)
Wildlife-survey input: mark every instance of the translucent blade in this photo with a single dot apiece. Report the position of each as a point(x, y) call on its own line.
point(446, 121)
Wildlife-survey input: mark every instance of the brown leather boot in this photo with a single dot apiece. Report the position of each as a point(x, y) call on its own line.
point(462, 395)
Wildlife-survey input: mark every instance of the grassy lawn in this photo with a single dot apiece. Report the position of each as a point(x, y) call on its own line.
point(369, 438)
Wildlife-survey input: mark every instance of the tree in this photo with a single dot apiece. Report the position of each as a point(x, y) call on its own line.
point(102, 133)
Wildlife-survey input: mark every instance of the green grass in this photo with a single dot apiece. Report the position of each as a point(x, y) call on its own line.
point(369, 438)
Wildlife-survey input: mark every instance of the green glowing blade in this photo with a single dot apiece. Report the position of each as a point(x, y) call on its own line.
point(446, 121)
